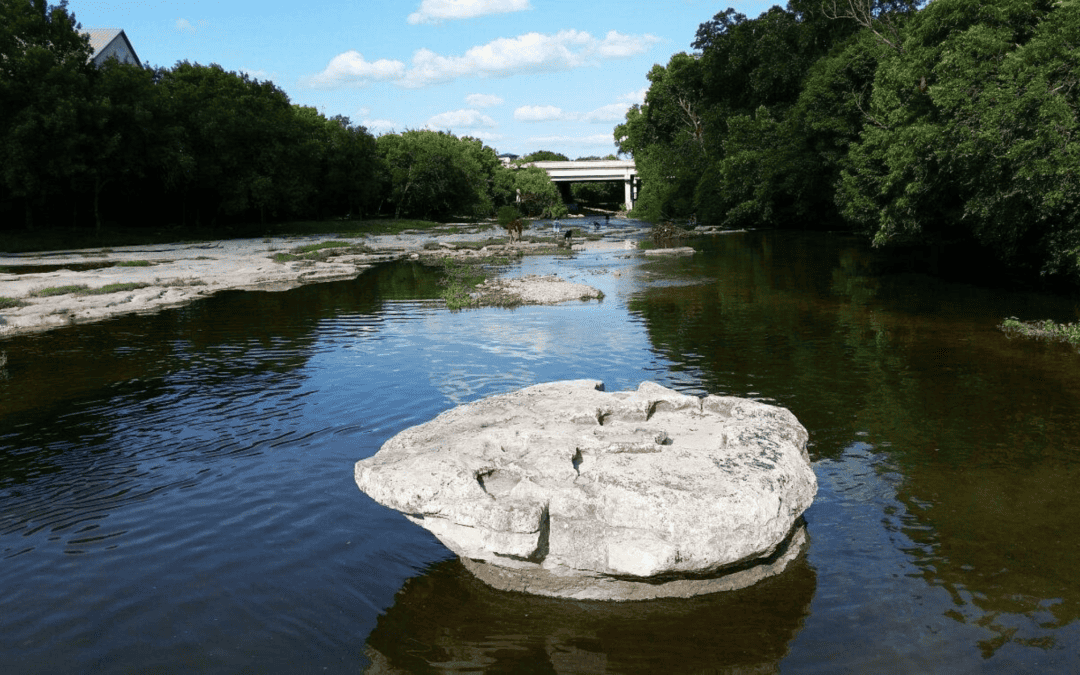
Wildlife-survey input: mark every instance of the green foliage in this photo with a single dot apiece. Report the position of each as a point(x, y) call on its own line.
point(508, 214)
point(539, 196)
point(1042, 330)
point(321, 251)
point(974, 135)
point(114, 288)
point(44, 88)
point(666, 136)
point(434, 174)
point(597, 193)
point(134, 263)
point(544, 156)
point(666, 234)
point(11, 303)
point(80, 143)
point(59, 290)
point(955, 123)
point(83, 289)
point(459, 279)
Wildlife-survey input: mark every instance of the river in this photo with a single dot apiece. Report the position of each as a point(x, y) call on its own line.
point(176, 490)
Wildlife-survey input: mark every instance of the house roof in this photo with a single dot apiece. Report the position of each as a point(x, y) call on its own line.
point(101, 38)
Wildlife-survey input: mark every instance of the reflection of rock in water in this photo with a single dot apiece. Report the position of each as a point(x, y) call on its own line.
point(447, 621)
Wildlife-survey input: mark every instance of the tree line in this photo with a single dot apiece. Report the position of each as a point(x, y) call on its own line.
point(951, 125)
point(199, 146)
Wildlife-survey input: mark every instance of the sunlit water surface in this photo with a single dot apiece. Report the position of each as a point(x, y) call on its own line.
point(176, 490)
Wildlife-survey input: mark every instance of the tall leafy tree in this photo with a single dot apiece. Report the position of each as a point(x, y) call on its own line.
point(972, 130)
point(544, 156)
point(538, 194)
point(666, 135)
point(434, 174)
point(235, 140)
point(44, 89)
point(122, 144)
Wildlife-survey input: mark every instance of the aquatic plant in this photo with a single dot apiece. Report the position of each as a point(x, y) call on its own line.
point(460, 278)
point(1042, 330)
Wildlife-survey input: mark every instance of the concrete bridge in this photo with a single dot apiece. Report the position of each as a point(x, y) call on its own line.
point(603, 170)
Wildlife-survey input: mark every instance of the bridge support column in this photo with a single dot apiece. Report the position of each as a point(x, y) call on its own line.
point(630, 190)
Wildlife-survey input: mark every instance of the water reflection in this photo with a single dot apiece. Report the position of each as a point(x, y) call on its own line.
point(176, 492)
point(978, 433)
point(447, 621)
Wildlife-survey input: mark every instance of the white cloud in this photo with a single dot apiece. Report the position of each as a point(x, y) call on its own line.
point(185, 26)
point(633, 97)
point(469, 119)
point(380, 126)
point(483, 100)
point(539, 113)
point(434, 11)
point(350, 68)
point(614, 112)
point(258, 74)
point(531, 52)
point(615, 45)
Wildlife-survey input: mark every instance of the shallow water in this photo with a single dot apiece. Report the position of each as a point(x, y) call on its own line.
point(176, 490)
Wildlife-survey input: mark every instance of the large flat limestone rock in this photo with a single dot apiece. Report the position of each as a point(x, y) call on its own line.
point(566, 490)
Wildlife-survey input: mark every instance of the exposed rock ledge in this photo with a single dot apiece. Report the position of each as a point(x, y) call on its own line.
point(533, 289)
point(562, 489)
point(151, 278)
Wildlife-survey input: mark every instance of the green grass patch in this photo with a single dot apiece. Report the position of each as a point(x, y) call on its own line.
point(459, 280)
point(59, 290)
point(321, 251)
point(463, 275)
point(310, 248)
point(134, 263)
point(12, 303)
point(83, 289)
point(1042, 330)
point(114, 288)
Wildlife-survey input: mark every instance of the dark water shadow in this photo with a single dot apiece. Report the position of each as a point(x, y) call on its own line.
point(446, 620)
point(42, 269)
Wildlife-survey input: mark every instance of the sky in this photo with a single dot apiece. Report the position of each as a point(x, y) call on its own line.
point(521, 75)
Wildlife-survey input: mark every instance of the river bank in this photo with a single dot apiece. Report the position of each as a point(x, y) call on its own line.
point(42, 291)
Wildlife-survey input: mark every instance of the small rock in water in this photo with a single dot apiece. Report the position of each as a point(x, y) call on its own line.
point(563, 489)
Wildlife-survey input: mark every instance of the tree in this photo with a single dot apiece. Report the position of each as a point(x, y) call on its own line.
point(434, 174)
point(972, 135)
point(235, 140)
point(543, 156)
point(597, 193)
point(353, 173)
point(713, 135)
point(44, 86)
point(121, 138)
point(666, 137)
point(538, 194)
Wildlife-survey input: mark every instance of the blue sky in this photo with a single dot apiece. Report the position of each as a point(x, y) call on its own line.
point(522, 75)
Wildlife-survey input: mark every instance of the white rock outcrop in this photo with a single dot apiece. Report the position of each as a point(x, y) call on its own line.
point(566, 490)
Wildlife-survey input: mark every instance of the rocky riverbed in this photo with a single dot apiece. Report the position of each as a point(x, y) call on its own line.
point(42, 291)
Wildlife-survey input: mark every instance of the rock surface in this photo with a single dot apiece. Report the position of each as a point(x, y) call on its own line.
point(565, 490)
point(533, 290)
